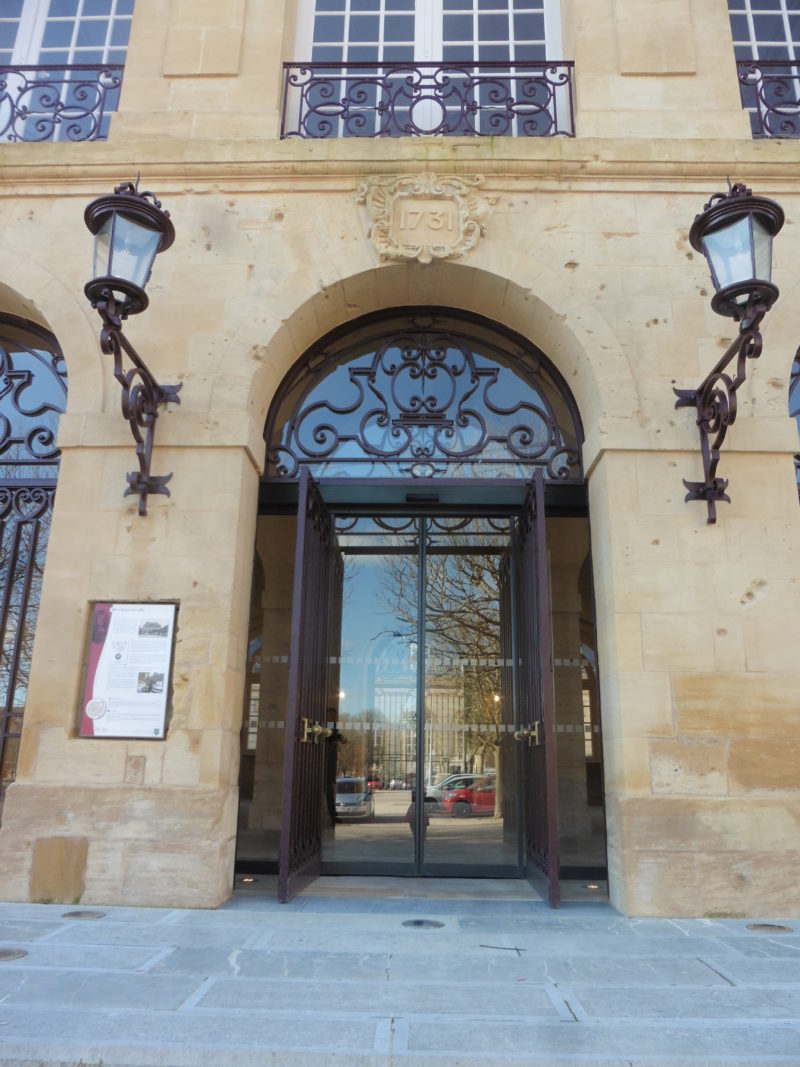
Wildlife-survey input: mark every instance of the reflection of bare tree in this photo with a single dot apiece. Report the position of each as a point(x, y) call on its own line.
point(462, 637)
point(364, 749)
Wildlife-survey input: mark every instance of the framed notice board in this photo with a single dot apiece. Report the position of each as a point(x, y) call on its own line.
point(129, 670)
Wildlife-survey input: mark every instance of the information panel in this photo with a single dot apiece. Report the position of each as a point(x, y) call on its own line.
point(127, 676)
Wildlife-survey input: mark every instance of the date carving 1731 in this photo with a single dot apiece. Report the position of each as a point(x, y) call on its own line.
point(424, 217)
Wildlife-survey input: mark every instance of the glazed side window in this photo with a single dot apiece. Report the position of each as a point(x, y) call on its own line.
point(765, 29)
point(66, 59)
point(64, 32)
point(9, 28)
point(766, 34)
point(387, 31)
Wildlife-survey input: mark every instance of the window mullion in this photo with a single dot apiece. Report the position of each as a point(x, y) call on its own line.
point(110, 22)
point(553, 44)
point(787, 30)
point(428, 30)
point(751, 29)
point(75, 27)
point(30, 32)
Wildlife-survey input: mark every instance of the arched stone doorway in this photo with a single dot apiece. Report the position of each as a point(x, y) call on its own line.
point(412, 624)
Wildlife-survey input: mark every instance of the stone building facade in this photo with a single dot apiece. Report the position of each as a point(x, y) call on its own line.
point(576, 246)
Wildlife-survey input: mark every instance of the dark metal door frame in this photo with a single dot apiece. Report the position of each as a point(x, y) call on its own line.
point(314, 599)
point(537, 707)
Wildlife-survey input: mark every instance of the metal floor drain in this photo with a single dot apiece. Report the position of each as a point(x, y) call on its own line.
point(11, 954)
point(424, 924)
point(769, 928)
point(83, 915)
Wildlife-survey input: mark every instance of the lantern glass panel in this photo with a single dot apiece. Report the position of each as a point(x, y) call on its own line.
point(762, 242)
point(133, 250)
point(730, 253)
point(101, 267)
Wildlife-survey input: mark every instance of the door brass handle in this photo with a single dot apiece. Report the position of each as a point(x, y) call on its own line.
point(313, 730)
point(529, 734)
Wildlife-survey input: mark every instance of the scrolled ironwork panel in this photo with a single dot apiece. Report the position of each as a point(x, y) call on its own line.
point(771, 94)
point(33, 391)
point(424, 402)
point(33, 394)
point(25, 513)
point(58, 103)
point(524, 99)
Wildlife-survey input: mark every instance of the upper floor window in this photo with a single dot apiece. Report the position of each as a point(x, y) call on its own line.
point(766, 41)
point(431, 30)
point(66, 59)
point(64, 31)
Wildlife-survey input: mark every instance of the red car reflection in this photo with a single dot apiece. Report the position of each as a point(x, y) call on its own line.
point(477, 799)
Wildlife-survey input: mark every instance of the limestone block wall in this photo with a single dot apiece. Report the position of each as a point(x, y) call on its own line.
point(643, 68)
point(585, 253)
point(567, 548)
point(700, 692)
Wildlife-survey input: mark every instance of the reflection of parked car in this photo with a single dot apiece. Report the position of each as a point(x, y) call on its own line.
point(476, 799)
point(440, 790)
point(353, 799)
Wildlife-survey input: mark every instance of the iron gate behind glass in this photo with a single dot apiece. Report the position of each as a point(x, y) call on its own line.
point(33, 393)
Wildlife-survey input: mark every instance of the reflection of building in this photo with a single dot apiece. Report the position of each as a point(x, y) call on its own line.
point(446, 748)
point(566, 270)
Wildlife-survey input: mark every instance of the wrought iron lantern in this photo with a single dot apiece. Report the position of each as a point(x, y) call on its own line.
point(734, 232)
point(130, 228)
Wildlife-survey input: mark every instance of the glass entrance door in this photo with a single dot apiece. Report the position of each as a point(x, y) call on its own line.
point(427, 770)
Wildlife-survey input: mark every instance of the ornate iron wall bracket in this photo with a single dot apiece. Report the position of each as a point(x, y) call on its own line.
point(715, 401)
point(142, 396)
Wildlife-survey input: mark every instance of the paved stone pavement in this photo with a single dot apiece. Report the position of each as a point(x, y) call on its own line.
point(341, 978)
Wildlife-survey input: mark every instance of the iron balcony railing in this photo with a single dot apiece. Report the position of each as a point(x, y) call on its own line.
point(505, 99)
point(58, 103)
point(771, 94)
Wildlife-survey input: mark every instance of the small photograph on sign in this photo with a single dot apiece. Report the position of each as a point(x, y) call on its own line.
point(150, 683)
point(130, 657)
